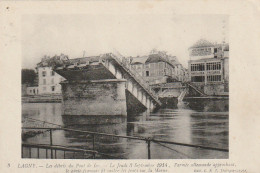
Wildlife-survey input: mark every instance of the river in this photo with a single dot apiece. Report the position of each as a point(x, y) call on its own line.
point(206, 125)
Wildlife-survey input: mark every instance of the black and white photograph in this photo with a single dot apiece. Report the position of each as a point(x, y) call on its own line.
point(148, 86)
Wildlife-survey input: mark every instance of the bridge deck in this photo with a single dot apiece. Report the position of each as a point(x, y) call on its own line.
point(98, 67)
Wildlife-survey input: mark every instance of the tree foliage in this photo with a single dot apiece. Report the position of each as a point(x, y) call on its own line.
point(28, 76)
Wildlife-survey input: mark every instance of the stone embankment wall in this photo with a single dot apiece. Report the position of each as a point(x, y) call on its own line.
point(101, 97)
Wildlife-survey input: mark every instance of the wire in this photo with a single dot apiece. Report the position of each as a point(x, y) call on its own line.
point(43, 121)
point(174, 150)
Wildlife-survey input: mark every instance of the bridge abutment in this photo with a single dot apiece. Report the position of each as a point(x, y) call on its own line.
point(96, 97)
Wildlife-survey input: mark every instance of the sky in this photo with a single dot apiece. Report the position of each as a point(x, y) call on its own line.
point(130, 35)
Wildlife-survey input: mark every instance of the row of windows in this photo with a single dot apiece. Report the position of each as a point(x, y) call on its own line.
point(210, 66)
point(202, 49)
point(44, 73)
point(52, 88)
point(201, 52)
point(34, 91)
point(197, 67)
point(214, 66)
point(211, 78)
point(214, 78)
point(197, 78)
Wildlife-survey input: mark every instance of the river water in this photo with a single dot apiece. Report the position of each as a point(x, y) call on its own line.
point(205, 125)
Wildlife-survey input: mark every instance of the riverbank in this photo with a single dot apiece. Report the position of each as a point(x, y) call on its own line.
point(42, 99)
point(211, 103)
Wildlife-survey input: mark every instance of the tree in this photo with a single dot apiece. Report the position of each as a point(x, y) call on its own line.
point(28, 76)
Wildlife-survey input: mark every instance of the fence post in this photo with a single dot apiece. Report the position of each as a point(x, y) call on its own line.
point(38, 152)
point(93, 144)
point(22, 151)
point(30, 152)
point(149, 147)
point(51, 143)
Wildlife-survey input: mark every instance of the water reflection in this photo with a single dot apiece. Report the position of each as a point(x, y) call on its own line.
point(203, 127)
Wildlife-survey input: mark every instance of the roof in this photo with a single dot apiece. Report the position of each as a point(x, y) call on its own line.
point(202, 43)
point(49, 62)
point(140, 59)
point(135, 63)
point(174, 60)
point(83, 60)
point(155, 58)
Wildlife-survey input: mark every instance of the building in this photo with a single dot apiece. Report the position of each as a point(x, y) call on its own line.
point(208, 67)
point(49, 81)
point(159, 67)
point(179, 69)
point(138, 67)
point(32, 90)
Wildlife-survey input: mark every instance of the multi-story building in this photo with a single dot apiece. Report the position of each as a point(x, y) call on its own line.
point(49, 81)
point(208, 67)
point(159, 67)
point(138, 67)
point(179, 69)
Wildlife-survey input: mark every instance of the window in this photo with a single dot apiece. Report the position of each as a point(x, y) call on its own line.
point(214, 66)
point(52, 81)
point(214, 78)
point(53, 88)
point(43, 73)
point(52, 73)
point(44, 82)
point(147, 73)
point(198, 67)
point(197, 78)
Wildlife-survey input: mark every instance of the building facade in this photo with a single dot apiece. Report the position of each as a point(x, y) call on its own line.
point(138, 67)
point(159, 67)
point(49, 81)
point(208, 67)
point(32, 90)
point(179, 70)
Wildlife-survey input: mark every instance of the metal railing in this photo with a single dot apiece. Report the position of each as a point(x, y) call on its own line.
point(196, 89)
point(54, 149)
point(94, 134)
point(136, 76)
point(182, 95)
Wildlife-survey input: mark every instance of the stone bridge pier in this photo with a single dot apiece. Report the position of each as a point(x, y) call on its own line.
point(97, 97)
